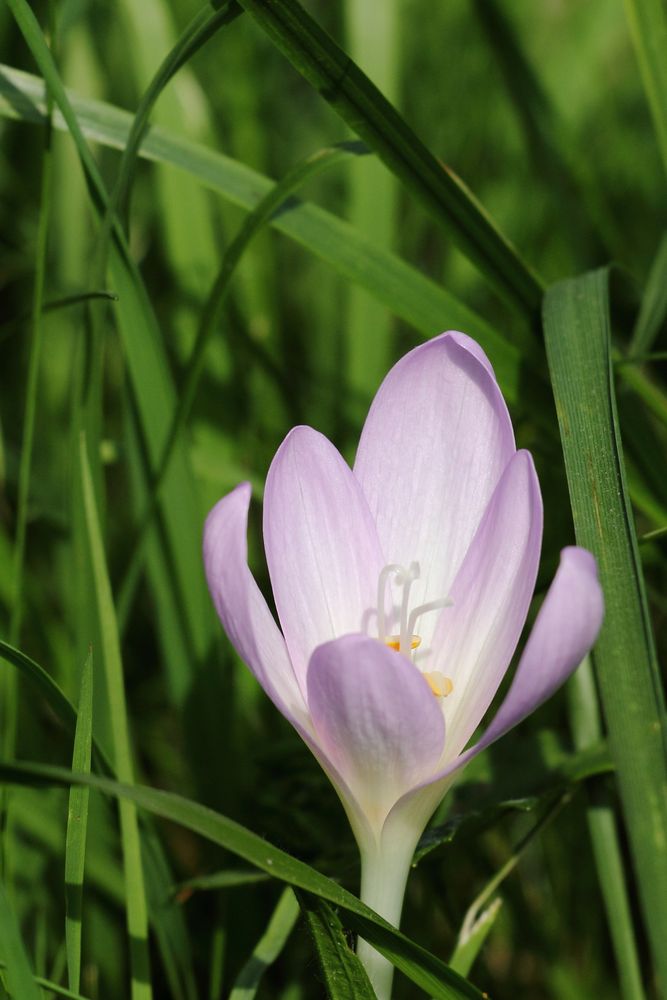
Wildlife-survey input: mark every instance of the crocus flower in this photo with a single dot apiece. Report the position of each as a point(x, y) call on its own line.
point(402, 587)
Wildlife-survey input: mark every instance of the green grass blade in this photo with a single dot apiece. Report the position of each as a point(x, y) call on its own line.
point(268, 948)
point(652, 314)
point(422, 303)
point(20, 979)
point(424, 969)
point(137, 915)
point(587, 731)
point(373, 33)
point(360, 104)
point(344, 975)
point(577, 334)
point(77, 826)
point(648, 27)
point(48, 986)
point(468, 948)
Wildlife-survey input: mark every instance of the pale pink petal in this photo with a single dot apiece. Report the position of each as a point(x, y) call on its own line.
point(321, 546)
point(376, 719)
point(476, 637)
point(241, 606)
point(564, 631)
point(435, 443)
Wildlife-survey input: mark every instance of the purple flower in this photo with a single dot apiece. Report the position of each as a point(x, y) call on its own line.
point(402, 587)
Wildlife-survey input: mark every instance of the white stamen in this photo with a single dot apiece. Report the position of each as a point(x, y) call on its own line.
point(406, 579)
point(442, 602)
point(389, 570)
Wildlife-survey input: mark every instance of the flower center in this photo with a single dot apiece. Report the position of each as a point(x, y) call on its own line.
point(407, 641)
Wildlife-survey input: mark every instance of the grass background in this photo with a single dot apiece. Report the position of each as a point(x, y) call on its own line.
point(543, 113)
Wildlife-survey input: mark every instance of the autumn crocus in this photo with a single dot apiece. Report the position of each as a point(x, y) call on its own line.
point(402, 587)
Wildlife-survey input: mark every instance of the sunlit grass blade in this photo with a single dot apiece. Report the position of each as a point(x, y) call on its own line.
point(423, 968)
point(577, 334)
point(17, 965)
point(344, 975)
point(77, 826)
point(373, 41)
point(268, 948)
point(364, 109)
point(648, 26)
point(137, 915)
point(302, 172)
point(652, 316)
point(422, 303)
point(587, 731)
point(471, 943)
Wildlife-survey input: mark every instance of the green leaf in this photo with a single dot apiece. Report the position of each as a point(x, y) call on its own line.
point(422, 303)
point(50, 987)
point(137, 913)
point(469, 946)
point(268, 948)
point(344, 976)
point(423, 968)
point(77, 825)
point(360, 104)
point(577, 334)
point(20, 980)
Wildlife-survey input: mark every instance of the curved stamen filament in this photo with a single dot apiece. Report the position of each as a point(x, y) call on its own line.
point(406, 579)
point(442, 602)
point(392, 569)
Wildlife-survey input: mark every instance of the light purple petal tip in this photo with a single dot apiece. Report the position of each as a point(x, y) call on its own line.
point(321, 545)
point(241, 605)
point(435, 443)
point(376, 719)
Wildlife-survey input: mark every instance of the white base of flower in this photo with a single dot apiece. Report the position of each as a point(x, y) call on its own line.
point(384, 873)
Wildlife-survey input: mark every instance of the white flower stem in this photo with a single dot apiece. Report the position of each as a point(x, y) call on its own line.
point(383, 877)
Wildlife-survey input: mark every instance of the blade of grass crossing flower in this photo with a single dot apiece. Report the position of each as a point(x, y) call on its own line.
point(360, 104)
point(344, 975)
point(577, 334)
point(268, 948)
point(648, 27)
point(587, 731)
point(652, 314)
point(77, 826)
point(137, 915)
point(302, 172)
point(18, 972)
point(372, 33)
point(410, 295)
point(423, 968)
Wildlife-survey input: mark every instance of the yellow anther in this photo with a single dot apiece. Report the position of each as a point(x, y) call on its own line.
point(440, 685)
point(394, 642)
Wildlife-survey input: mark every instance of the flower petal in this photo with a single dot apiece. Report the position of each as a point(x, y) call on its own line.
point(321, 546)
point(476, 637)
point(434, 445)
point(242, 608)
point(564, 631)
point(376, 719)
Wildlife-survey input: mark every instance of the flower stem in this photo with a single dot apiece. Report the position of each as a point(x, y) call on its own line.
point(383, 877)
